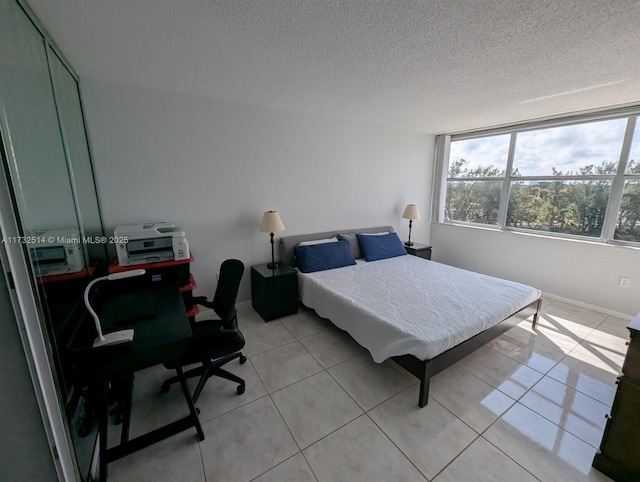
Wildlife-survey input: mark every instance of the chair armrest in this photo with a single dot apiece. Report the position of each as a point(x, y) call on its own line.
point(213, 328)
point(202, 300)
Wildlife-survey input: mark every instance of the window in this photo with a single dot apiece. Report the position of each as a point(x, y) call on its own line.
point(576, 179)
point(477, 168)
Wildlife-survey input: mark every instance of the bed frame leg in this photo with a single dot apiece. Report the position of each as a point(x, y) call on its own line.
point(424, 393)
point(534, 324)
point(425, 379)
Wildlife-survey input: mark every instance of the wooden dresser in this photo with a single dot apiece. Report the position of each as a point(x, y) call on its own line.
point(619, 455)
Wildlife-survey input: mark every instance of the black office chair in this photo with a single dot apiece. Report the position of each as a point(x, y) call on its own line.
point(216, 342)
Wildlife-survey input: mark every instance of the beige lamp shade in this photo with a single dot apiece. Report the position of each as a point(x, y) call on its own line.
point(411, 212)
point(271, 222)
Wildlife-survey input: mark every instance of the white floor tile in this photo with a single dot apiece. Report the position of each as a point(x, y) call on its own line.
point(244, 443)
point(284, 365)
point(529, 352)
point(610, 345)
point(332, 347)
point(500, 371)
point(588, 373)
point(175, 458)
point(573, 315)
point(577, 413)
point(543, 448)
point(152, 411)
point(475, 402)
point(261, 337)
point(367, 382)
point(430, 437)
point(295, 469)
point(306, 323)
point(615, 326)
point(220, 396)
point(359, 451)
point(482, 462)
point(314, 407)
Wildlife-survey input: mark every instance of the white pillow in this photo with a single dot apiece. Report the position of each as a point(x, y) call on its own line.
point(319, 241)
point(374, 234)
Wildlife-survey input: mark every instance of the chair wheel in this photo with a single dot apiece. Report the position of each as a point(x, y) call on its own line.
point(240, 389)
point(243, 359)
point(164, 388)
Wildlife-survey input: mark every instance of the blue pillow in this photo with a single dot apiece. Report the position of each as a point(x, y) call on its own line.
point(320, 257)
point(381, 246)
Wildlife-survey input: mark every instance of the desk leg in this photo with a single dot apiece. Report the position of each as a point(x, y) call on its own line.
point(187, 396)
point(126, 409)
point(103, 427)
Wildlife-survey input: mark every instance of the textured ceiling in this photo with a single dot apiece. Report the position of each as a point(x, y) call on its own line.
point(431, 66)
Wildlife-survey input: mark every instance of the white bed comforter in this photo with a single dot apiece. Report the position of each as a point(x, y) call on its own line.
point(409, 305)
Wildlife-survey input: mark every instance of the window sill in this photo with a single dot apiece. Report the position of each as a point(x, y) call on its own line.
point(544, 235)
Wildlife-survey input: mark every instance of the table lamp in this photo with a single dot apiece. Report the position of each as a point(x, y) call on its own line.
point(271, 223)
point(411, 212)
point(116, 337)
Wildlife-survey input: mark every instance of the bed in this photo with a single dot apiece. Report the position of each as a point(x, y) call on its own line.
point(423, 315)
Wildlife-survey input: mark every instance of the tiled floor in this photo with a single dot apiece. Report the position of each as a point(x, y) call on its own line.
point(528, 406)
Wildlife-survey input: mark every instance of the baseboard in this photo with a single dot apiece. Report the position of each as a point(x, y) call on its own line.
point(599, 309)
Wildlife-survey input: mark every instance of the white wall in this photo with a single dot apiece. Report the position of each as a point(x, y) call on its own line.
point(587, 272)
point(215, 167)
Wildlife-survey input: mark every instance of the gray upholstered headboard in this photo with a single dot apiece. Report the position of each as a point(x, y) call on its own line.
point(287, 243)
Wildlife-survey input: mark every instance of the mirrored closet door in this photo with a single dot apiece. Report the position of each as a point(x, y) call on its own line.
point(47, 160)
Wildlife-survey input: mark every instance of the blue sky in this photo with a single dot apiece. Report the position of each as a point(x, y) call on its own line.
point(566, 148)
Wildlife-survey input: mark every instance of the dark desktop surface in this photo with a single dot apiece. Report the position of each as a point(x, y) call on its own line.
point(127, 308)
point(155, 312)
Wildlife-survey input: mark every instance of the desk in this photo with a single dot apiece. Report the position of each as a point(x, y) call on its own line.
point(168, 271)
point(160, 337)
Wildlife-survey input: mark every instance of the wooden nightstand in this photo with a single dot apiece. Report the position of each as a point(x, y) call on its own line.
point(420, 250)
point(274, 291)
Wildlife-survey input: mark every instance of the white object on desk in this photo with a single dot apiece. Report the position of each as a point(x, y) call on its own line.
point(116, 337)
point(150, 243)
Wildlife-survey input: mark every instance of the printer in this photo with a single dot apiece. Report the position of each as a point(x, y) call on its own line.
point(56, 251)
point(150, 243)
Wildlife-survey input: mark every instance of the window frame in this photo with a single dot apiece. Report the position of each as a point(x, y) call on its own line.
point(618, 180)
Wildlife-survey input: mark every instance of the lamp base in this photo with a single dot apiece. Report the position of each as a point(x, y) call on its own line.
point(115, 338)
point(408, 243)
point(272, 265)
